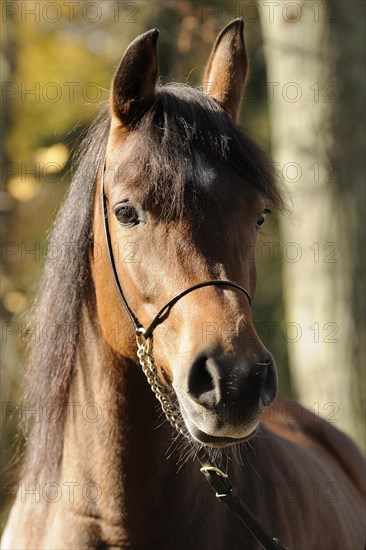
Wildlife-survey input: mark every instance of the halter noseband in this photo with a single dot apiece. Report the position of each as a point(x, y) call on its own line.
point(218, 480)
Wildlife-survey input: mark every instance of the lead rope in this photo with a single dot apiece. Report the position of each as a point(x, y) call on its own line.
point(218, 480)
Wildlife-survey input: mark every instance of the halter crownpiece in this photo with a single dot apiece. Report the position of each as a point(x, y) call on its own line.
point(218, 479)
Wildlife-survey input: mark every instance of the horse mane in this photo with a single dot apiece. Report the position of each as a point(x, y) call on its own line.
point(180, 122)
point(56, 314)
point(181, 127)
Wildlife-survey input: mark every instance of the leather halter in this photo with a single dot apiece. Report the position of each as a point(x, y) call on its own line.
point(219, 481)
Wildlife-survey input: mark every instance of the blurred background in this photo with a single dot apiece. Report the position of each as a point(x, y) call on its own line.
point(304, 103)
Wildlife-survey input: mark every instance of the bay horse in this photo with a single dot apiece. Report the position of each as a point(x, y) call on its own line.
point(185, 192)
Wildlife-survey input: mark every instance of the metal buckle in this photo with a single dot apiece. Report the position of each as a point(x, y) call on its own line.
point(209, 469)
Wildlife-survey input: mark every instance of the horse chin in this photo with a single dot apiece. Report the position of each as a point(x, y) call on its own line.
point(220, 439)
point(218, 442)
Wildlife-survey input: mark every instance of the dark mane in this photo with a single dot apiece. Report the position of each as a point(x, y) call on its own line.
point(56, 313)
point(181, 123)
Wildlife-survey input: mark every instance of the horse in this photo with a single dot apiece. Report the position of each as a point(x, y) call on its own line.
point(169, 193)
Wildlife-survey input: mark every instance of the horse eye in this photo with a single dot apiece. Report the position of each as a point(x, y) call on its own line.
point(127, 215)
point(261, 219)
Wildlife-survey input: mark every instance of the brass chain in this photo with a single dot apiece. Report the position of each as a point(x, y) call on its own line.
point(144, 353)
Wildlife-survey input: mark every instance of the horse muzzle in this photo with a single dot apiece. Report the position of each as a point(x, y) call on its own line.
point(221, 398)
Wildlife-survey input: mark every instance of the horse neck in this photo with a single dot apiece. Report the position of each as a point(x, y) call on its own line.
point(114, 449)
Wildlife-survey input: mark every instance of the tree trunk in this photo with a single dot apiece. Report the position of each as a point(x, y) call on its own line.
point(314, 54)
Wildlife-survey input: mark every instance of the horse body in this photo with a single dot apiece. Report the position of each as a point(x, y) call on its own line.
point(288, 474)
point(107, 473)
point(301, 492)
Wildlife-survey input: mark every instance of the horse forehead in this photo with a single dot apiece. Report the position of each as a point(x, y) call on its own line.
point(204, 173)
point(197, 168)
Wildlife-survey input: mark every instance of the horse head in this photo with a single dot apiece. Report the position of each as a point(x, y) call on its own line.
point(186, 191)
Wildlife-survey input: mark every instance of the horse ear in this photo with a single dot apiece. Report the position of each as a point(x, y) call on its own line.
point(134, 83)
point(227, 68)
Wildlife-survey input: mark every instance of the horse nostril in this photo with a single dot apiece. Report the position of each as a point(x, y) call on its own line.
point(269, 382)
point(203, 381)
